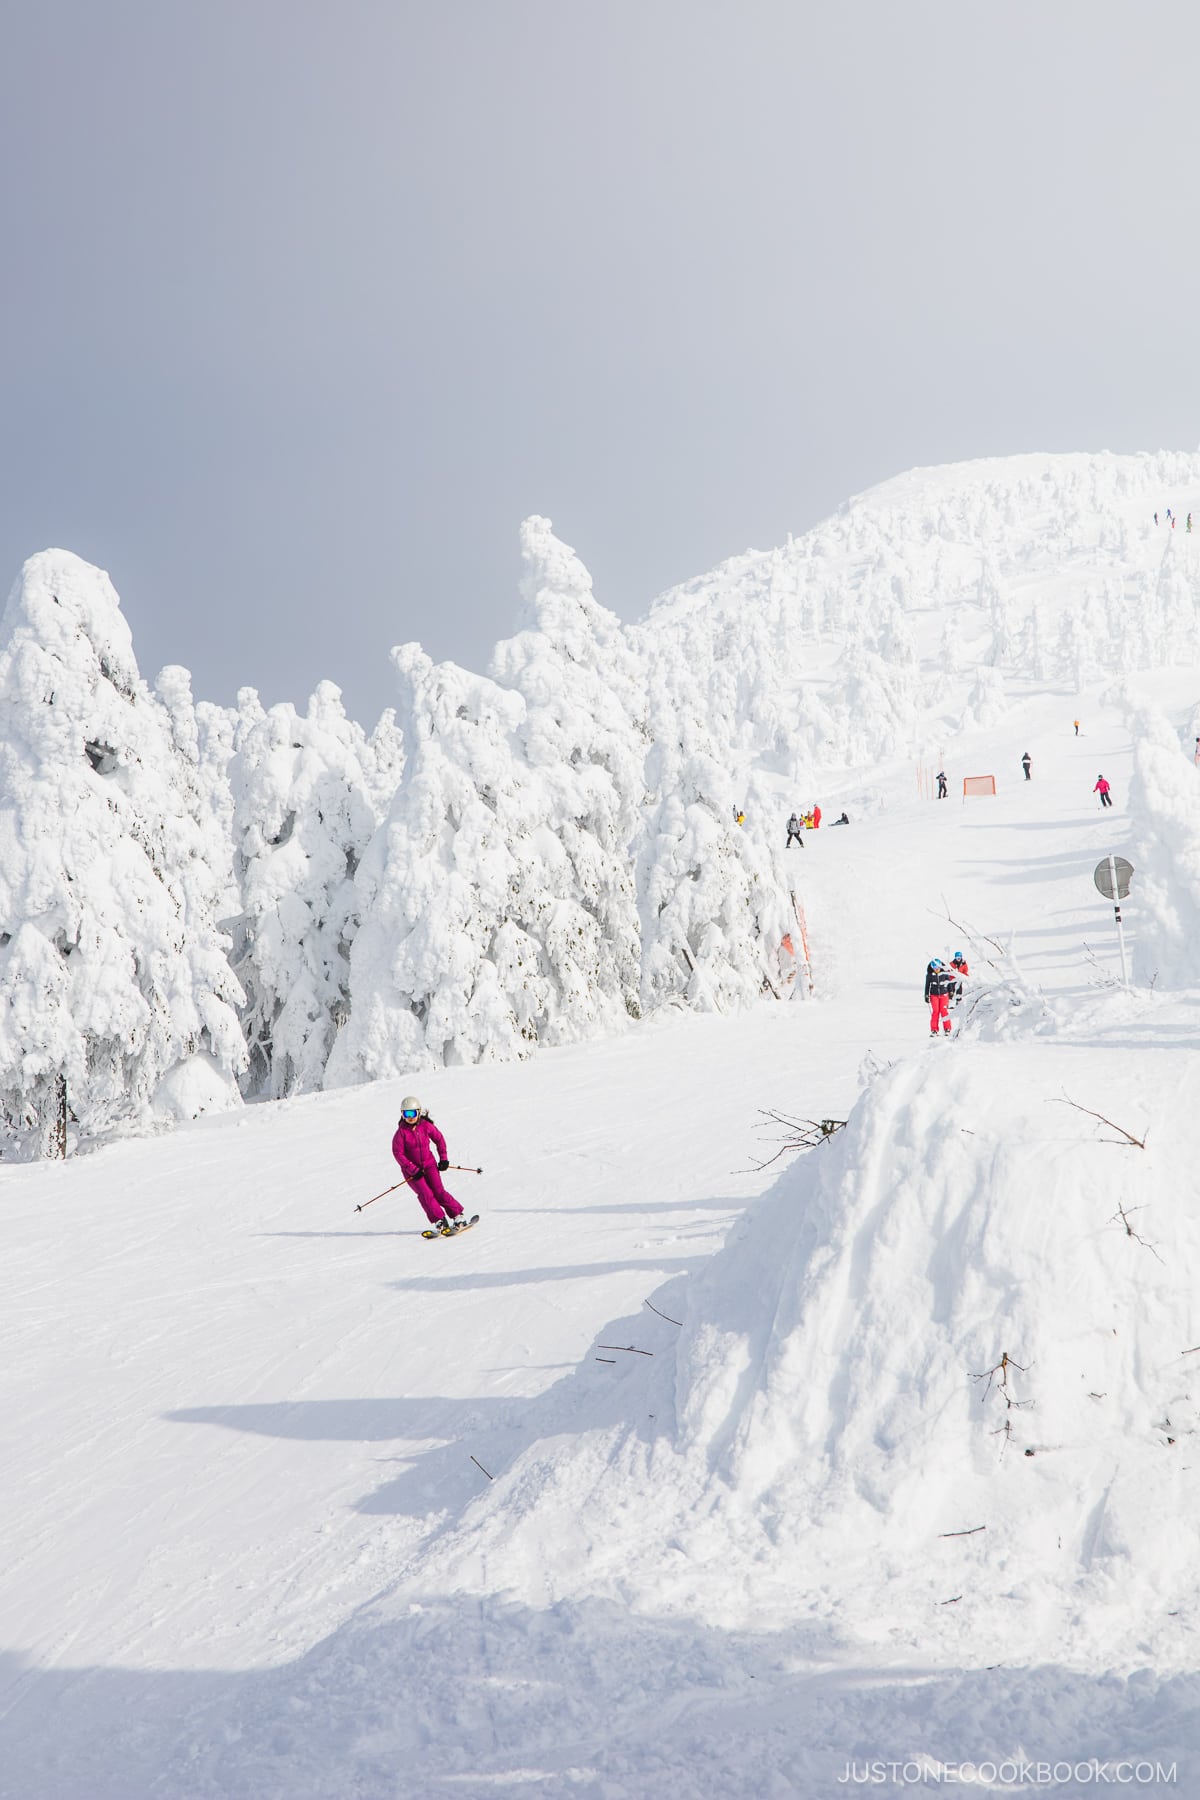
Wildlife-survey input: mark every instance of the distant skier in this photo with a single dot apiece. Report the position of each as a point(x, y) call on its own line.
point(939, 985)
point(845, 820)
point(1102, 788)
point(941, 781)
point(816, 815)
point(794, 831)
point(1189, 521)
point(960, 970)
point(1027, 764)
point(416, 1139)
point(1077, 728)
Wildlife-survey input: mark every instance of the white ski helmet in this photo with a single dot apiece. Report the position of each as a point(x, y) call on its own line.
point(410, 1109)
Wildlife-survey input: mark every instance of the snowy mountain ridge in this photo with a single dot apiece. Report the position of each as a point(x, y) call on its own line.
point(541, 854)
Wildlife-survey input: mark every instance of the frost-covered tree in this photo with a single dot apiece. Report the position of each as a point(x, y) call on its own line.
point(115, 991)
point(985, 702)
point(994, 601)
point(383, 761)
point(477, 938)
point(203, 740)
point(583, 736)
point(1164, 801)
point(302, 818)
point(713, 911)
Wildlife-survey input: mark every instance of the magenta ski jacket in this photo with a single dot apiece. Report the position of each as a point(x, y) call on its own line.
point(417, 1147)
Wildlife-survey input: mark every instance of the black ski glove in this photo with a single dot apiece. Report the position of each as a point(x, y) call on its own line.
point(443, 1164)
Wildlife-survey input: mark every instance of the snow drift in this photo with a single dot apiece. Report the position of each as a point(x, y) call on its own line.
point(946, 1358)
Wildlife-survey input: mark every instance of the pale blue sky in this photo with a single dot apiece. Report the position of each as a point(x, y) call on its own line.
point(305, 306)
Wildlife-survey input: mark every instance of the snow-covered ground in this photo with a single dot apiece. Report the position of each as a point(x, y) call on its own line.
point(682, 1474)
point(250, 1552)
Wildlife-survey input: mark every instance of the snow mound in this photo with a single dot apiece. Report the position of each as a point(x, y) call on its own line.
point(944, 1360)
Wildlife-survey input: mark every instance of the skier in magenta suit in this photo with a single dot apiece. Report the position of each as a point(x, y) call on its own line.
point(420, 1149)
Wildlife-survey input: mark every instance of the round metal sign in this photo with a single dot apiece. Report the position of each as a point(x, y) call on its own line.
point(1112, 877)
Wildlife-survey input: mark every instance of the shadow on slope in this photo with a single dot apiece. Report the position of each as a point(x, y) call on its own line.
point(450, 1447)
point(435, 1695)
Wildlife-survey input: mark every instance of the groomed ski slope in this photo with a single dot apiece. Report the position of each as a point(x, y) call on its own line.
point(299, 1505)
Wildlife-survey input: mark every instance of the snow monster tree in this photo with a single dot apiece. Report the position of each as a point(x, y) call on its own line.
point(116, 999)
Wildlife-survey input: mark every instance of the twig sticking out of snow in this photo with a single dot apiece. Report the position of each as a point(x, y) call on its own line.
point(1130, 1232)
point(1001, 1369)
point(1126, 1137)
point(807, 1134)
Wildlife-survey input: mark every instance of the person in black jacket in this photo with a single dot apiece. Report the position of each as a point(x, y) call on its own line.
point(939, 985)
point(1027, 764)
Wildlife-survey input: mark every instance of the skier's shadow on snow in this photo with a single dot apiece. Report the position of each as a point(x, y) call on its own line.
point(463, 1280)
point(337, 1233)
point(732, 1207)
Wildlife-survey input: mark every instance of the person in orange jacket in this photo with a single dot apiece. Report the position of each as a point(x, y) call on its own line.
point(816, 815)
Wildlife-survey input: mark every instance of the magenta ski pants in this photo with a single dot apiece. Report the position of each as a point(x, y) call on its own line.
point(427, 1186)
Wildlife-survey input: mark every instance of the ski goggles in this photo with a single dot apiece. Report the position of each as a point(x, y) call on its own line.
point(409, 1114)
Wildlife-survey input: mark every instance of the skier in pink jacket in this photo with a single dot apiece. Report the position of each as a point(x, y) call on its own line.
point(420, 1149)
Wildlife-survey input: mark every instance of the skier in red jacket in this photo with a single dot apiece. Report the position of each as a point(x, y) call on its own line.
point(416, 1140)
point(959, 968)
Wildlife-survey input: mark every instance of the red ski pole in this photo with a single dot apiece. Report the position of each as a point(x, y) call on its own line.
point(464, 1168)
point(391, 1190)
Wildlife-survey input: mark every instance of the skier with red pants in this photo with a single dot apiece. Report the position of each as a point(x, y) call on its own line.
point(939, 985)
point(414, 1146)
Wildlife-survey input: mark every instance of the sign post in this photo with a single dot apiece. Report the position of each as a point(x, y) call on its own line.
point(1112, 876)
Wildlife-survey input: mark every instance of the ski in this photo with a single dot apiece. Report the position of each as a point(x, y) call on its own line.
point(436, 1232)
